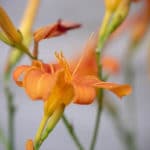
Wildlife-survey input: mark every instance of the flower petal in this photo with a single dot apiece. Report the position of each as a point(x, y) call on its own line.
point(18, 72)
point(38, 84)
point(86, 65)
point(84, 93)
point(118, 89)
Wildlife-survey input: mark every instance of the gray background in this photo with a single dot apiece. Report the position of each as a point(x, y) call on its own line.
point(89, 13)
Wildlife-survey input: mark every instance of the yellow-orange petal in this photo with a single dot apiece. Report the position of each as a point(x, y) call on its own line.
point(18, 72)
point(84, 92)
point(45, 85)
point(118, 89)
point(61, 93)
point(30, 82)
point(29, 145)
point(121, 90)
point(86, 65)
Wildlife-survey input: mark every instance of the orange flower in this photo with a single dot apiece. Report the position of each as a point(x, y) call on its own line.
point(55, 29)
point(61, 84)
point(29, 145)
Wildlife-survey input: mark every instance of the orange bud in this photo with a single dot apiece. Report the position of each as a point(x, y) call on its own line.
point(53, 30)
point(29, 145)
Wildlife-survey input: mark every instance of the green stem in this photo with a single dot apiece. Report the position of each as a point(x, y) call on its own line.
point(11, 115)
point(23, 48)
point(72, 133)
point(4, 140)
point(117, 19)
point(98, 117)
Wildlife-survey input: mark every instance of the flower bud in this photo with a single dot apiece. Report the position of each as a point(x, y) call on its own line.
point(111, 5)
point(8, 27)
point(29, 145)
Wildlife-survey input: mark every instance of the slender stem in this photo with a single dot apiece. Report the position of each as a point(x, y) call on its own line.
point(4, 140)
point(35, 49)
point(98, 117)
point(99, 95)
point(22, 47)
point(104, 34)
point(11, 114)
point(72, 133)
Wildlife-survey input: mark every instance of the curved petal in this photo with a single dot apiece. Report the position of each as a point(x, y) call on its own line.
point(121, 90)
point(30, 82)
point(18, 72)
point(118, 89)
point(45, 85)
point(36, 82)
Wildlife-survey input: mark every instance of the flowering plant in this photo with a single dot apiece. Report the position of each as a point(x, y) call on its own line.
point(81, 80)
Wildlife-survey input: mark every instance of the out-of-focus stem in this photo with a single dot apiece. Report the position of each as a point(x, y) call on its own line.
point(3, 139)
point(72, 133)
point(131, 103)
point(124, 133)
point(29, 17)
point(97, 121)
point(11, 113)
